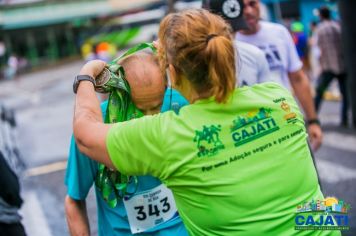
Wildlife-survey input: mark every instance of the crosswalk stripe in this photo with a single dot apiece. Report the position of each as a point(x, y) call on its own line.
point(45, 169)
point(332, 172)
point(340, 141)
point(34, 220)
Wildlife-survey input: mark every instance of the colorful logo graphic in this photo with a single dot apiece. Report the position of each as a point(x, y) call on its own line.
point(291, 117)
point(328, 214)
point(208, 141)
point(253, 125)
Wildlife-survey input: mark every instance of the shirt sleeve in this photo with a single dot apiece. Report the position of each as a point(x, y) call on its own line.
point(136, 146)
point(294, 63)
point(80, 173)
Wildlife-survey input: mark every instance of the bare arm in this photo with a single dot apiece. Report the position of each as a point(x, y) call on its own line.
point(89, 130)
point(301, 87)
point(77, 217)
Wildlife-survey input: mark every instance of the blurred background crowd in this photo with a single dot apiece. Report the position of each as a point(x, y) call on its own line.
point(39, 33)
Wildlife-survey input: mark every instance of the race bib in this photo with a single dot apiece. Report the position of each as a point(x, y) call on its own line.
point(148, 209)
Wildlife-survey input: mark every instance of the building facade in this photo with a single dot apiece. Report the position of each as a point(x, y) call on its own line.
point(43, 31)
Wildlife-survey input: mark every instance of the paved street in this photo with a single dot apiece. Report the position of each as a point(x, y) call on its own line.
point(44, 101)
point(44, 107)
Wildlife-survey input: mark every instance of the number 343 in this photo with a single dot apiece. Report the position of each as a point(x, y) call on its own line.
point(153, 209)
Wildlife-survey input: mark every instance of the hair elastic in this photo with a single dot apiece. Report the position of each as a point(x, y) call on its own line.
point(210, 36)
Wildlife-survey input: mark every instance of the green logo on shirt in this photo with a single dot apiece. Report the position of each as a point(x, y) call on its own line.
point(208, 141)
point(255, 124)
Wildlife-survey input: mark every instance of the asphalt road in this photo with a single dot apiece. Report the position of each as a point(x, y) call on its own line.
point(44, 101)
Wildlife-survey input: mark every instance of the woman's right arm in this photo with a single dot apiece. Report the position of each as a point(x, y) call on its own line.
point(89, 130)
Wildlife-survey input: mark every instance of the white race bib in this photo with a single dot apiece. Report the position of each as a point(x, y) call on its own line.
point(148, 209)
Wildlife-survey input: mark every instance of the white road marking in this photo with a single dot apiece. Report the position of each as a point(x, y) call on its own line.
point(45, 169)
point(332, 172)
point(34, 220)
point(340, 141)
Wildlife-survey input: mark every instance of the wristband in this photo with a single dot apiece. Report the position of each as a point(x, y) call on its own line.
point(80, 78)
point(313, 121)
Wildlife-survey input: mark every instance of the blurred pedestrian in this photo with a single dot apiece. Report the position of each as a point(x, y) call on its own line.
point(11, 166)
point(89, 52)
point(123, 217)
point(103, 51)
point(10, 201)
point(12, 66)
point(300, 39)
point(328, 37)
point(313, 55)
point(251, 63)
point(2, 57)
point(2, 50)
point(237, 159)
point(284, 63)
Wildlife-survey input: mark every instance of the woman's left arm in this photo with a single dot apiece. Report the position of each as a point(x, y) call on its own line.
point(88, 127)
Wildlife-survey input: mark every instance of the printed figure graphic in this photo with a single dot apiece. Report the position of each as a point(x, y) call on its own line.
point(272, 56)
point(208, 142)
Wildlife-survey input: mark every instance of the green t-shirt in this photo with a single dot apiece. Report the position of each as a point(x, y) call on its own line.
point(243, 166)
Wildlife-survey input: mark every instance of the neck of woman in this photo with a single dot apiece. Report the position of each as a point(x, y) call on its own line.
point(188, 91)
point(192, 95)
point(195, 97)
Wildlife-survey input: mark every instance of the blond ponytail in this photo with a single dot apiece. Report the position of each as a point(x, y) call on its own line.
point(199, 45)
point(221, 67)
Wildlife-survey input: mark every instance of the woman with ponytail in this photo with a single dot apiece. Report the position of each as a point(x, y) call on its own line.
point(236, 160)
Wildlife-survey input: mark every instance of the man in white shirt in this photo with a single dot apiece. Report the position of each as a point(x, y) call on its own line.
point(251, 64)
point(284, 63)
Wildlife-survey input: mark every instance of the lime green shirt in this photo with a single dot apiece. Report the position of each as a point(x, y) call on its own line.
point(239, 168)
